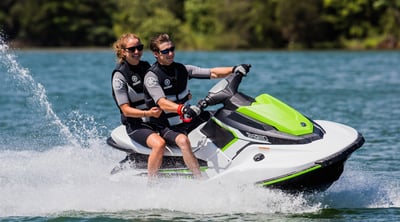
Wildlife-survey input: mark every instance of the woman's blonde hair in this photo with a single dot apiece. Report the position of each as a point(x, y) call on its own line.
point(120, 45)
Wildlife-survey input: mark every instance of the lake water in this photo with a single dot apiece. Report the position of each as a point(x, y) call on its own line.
point(56, 112)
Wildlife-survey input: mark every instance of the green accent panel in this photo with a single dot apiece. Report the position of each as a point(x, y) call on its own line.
point(291, 176)
point(274, 112)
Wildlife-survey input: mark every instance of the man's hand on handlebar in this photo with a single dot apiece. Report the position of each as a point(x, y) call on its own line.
point(187, 112)
point(242, 69)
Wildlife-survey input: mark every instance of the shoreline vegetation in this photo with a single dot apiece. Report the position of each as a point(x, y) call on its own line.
point(206, 25)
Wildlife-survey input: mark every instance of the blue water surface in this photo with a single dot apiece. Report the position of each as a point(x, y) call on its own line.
point(56, 111)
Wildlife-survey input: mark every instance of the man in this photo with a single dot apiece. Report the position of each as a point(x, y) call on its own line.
point(166, 85)
point(127, 86)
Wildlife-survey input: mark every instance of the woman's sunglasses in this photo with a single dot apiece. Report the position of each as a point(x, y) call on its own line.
point(166, 51)
point(133, 48)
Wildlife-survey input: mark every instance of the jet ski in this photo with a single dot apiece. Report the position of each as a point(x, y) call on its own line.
point(247, 140)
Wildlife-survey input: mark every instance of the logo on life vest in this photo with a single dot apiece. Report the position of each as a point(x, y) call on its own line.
point(167, 84)
point(135, 80)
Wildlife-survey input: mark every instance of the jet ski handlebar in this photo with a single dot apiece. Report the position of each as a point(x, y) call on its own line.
point(223, 90)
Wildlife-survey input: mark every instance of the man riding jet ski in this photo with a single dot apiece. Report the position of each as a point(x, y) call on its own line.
point(249, 140)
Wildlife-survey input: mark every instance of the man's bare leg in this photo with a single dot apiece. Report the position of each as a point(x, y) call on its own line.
point(188, 157)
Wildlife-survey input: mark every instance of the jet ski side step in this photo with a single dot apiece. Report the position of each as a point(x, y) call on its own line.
point(113, 144)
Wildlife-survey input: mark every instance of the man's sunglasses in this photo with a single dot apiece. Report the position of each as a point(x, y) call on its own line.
point(166, 51)
point(133, 48)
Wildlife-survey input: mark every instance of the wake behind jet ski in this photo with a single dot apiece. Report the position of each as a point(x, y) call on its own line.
point(249, 140)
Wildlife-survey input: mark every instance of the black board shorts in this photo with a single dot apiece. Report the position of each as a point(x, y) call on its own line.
point(140, 133)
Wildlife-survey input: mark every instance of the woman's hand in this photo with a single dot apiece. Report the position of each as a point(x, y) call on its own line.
point(154, 112)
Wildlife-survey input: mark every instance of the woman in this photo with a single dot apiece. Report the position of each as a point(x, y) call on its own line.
point(127, 90)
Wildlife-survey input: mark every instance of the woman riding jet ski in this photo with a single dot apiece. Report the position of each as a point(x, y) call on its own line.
point(249, 140)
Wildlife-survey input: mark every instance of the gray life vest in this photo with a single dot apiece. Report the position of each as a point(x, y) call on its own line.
point(134, 76)
point(173, 79)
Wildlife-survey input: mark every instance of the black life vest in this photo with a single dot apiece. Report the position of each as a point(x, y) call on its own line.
point(173, 79)
point(134, 75)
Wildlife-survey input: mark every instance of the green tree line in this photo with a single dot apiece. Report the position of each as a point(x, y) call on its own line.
point(205, 24)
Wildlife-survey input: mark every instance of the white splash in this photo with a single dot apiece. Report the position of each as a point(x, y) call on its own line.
point(22, 75)
point(74, 179)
